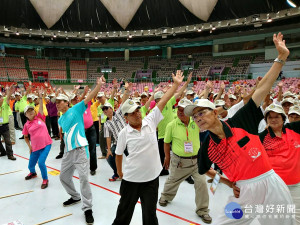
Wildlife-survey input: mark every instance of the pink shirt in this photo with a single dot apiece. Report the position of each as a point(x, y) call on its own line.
point(87, 117)
point(38, 132)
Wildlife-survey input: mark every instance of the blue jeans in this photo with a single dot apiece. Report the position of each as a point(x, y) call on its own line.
point(112, 160)
point(41, 156)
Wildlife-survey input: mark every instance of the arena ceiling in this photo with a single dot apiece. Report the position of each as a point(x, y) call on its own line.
point(86, 19)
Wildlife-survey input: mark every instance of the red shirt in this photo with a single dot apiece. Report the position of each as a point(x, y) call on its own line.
point(284, 152)
point(241, 155)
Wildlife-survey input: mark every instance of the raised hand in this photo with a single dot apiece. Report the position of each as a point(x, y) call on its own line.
point(222, 86)
point(282, 50)
point(190, 77)
point(178, 78)
point(40, 92)
point(280, 84)
point(115, 83)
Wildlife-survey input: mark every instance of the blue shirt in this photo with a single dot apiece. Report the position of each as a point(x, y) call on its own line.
point(72, 125)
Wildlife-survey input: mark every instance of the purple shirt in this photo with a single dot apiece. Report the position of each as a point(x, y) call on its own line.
point(52, 110)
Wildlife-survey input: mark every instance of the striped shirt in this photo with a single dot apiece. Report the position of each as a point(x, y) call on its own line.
point(113, 127)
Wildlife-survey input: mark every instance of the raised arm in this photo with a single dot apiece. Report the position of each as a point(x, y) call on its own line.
point(166, 97)
point(221, 90)
point(40, 92)
point(100, 82)
point(128, 88)
point(268, 80)
point(182, 89)
point(115, 89)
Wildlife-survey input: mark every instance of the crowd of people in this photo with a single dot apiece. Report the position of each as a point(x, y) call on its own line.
point(251, 135)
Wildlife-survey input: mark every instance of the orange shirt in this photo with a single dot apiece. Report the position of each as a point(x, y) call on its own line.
point(11, 104)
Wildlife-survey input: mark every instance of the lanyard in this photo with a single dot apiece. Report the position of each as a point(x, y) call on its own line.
point(187, 133)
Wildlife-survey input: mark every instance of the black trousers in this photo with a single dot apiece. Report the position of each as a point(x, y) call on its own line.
point(62, 145)
point(23, 118)
point(48, 125)
point(4, 131)
point(102, 141)
point(162, 155)
point(130, 193)
point(54, 126)
point(90, 134)
point(96, 125)
point(15, 120)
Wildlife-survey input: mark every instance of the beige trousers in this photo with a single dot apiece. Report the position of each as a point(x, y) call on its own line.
point(189, 167)
point(12, 132)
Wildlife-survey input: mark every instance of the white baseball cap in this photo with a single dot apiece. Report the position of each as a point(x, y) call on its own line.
point(106, 104)
point(274, 108)
point(52, 95)
point(219, 103)
point(203, 103)
point(34, 97)
point(29, 96)
point(47, 97)
point(72, 96)
point(100, 94)
point(190, 92)
point(18, 93)
point(288, 93)
point(62, 97)
point(158, 95)
point(136, 100)
point(232, 96)
point(144, 94)
point(294, 109)
point(184, 103)
point(129, 106)
point(290, 100)
point(1, 94)
point(27, 108)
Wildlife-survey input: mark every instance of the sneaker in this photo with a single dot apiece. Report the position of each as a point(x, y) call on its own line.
point(206, 218)
point(45, 184)
point(11, 157)
point(163, 203)
point(70, 202)
point(21, 137)
point(30, 176)
point(89, 219)
point(93, 172)
point(114, 178)
point(59, 156)
point(190, 180)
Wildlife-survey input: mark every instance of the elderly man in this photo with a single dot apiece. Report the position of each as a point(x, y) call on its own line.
point(142, 165)
point(235, 147)
point(183, 133)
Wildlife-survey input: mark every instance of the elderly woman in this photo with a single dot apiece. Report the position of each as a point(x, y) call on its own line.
point(282, 144)
point(235, 147)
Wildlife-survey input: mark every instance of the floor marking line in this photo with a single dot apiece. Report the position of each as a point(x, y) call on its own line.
point(57, 218)
point(159, 210)
point(9, 172)
point(21, 193)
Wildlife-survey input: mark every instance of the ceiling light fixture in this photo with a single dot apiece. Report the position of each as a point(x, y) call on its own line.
point(291, 3)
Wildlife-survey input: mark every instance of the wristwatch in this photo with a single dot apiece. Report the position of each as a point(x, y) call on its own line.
point(224, 107)
point(279, 61)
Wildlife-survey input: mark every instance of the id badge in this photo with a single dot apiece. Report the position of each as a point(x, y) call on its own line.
point(188, 147)
point(1, 119)
point(215, 183)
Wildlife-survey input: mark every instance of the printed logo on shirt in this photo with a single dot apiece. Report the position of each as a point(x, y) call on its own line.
point(254, 153)
point(296, 144)
point(233, 211)
point(193, 126)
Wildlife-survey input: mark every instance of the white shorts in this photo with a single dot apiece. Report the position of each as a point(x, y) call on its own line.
point(266, 191)
point(295, 192)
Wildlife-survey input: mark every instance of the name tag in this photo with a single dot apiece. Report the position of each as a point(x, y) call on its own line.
point(188, 147)
point(215, 183)
point(1, 119)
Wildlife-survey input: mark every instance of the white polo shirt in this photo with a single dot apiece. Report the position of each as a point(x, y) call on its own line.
point(143, 162)
point(233, 110)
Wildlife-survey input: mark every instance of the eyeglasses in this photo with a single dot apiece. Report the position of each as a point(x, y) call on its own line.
point(200, 113)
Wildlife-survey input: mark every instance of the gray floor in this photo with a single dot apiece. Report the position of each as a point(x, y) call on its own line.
point(41, 205)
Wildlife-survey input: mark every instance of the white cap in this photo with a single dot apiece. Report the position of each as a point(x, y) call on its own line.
point(274, 108)
point(190, 92)
point(144, 94)
point(184, 103)
point(158, 95)
point(232, 96)
point(52, 95)
point(1, 94)
point(294, 109)
point(290, 100)
point(203, 103)
point(136, 100)
point(288, 93)
point(100, 94)
point(62, 97)
point(18, 93)
point(47, 97)
point(106, 104)
point(219, 103)
point(29, 96)
point(129, 106)
point(72, 96)
point(34, 97)
point(222, 96)
point(27, 108)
